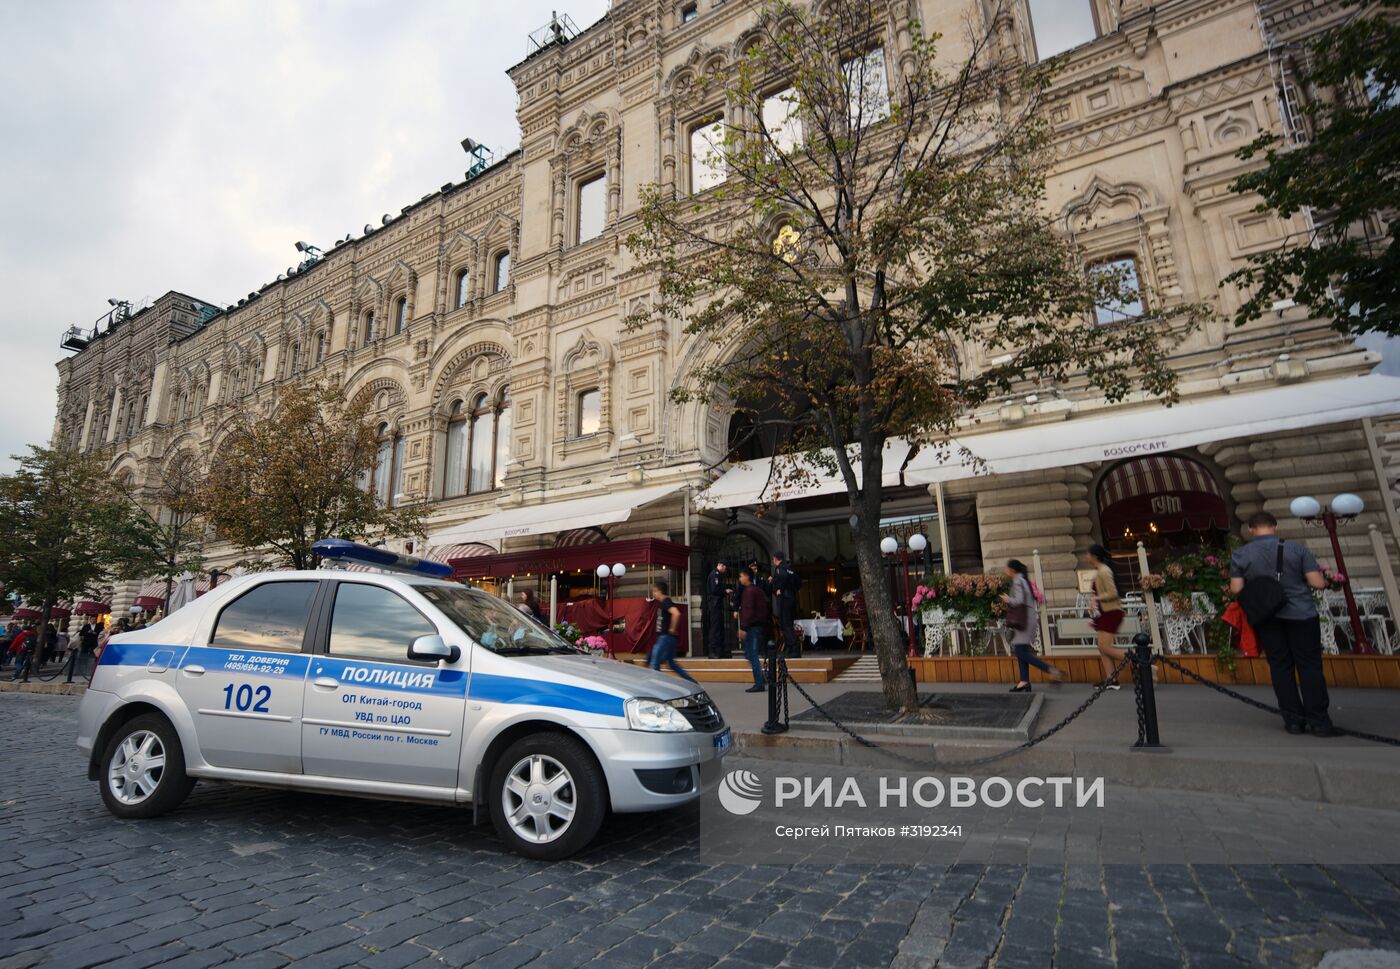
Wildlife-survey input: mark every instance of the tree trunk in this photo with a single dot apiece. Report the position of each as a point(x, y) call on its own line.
point(890, 648)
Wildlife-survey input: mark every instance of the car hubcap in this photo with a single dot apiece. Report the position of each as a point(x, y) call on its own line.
point(539, 798)
point(137, 767)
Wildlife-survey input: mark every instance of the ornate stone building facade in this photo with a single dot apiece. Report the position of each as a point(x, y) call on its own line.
point(490, 310)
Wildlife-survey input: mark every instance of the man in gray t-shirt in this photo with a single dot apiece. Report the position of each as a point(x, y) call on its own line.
point(1292, 637)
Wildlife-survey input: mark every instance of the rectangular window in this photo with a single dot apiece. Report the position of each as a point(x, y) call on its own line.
point(590, 413)
point(396, 479)
point(780, 120)
point(592, 207)
point(483, 450)
point(867, 88)
point(383, 461)
point(1060, 25)
point(455, 472)
point(706, 165)
point(462, 294)
point(374, 623)
point(1122, 299)
point(271, 616)
point(689, 11)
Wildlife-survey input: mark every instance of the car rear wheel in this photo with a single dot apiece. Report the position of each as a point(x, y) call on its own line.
point(143, 769)
point(547, 796)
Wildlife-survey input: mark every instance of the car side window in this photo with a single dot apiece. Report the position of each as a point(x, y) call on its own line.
point(371, 622)
point(270, 616)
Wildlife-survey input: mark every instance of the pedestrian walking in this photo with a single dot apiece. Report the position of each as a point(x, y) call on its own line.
point(7, 636)
point(754, 615)
point(1023, 620)
point(21, 648)
point(668, 630)
point(1107, 613)
point(526, 602)
point(1274, 580)
point(716, 609)
point(785, 584)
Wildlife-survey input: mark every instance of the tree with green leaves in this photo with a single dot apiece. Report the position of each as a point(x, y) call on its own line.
point(173, 519)
point(283, 480)
point(1339, 168)
point(868, 248)
point(67, 530)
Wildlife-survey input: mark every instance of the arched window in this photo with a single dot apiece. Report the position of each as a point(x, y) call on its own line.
point(294, 361)
point(502, 438)
point(454, 472)
point(463, 279)
point(483, 445)
point(501, 278)
point(369, 327)
point(400, 314)
point(320, 347)
point(388, 466)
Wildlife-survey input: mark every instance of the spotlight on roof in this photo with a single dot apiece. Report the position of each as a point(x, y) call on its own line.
point(385, 219)
point(368, 228)
point(469, 146)
point(114, 302)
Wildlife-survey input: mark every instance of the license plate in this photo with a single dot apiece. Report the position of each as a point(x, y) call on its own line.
point(723, 741)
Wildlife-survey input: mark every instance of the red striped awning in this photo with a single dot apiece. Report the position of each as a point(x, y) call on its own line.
point(463, 551)
point(27, 614)
point(94, 605)
point(1165, 493)
point(576, 537)
point(62, 609)
point(151, 596)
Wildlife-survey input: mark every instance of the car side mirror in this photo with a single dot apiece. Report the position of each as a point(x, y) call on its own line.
point(432, 649)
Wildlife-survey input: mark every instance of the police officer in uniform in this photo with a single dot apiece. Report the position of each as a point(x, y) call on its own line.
point(716, 608)
point(785, 583)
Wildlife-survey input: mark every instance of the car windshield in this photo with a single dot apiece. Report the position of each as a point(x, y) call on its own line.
point(493, 623)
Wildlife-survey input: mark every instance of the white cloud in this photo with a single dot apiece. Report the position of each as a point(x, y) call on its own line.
point(156, 145)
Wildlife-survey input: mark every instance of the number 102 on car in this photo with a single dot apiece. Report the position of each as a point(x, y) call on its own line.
point(246, 698)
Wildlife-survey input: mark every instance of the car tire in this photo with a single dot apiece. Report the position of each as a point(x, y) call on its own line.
point(547, 796)
point(133, 784)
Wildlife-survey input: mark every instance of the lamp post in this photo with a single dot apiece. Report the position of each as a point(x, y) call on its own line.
point(917, 544)
point(612, 574)
point(889, 545)
point(1345, 508)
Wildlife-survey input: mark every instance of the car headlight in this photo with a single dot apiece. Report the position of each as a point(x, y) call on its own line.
point(655, 716)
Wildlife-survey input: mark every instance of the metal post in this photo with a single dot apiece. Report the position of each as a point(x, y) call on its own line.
point(1358, 634)
point(1148, 737)
point(943, 550)
point(773, 724)
point(553, 600)
point(689, 598)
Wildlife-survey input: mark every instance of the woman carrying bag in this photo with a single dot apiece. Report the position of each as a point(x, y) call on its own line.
point(1023, 620)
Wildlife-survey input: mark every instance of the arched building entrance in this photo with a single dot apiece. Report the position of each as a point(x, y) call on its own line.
point(1170, 503)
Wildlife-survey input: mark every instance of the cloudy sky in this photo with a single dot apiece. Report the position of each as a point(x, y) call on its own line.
point(187, 144)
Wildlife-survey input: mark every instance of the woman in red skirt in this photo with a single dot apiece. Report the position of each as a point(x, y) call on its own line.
point(1107, 612)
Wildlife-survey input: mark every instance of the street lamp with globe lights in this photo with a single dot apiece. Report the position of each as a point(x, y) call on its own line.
point(1345, 508)
point(612, 573)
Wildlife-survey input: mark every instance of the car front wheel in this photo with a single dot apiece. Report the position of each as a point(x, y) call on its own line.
point(547, 796)
point(143, 769)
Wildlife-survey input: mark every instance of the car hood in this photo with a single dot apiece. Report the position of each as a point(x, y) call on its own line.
point(610, 675)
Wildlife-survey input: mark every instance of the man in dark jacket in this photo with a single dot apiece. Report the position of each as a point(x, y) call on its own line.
point(716, 603)
point(785, 583)
point(1292, 637)
point(753, 615)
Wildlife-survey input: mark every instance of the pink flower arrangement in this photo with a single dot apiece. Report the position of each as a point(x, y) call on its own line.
point(595, 643)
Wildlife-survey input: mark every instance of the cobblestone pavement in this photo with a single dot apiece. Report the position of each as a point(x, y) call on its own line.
point(257, 878)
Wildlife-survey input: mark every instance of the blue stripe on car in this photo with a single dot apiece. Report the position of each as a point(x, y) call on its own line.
point(490, 688)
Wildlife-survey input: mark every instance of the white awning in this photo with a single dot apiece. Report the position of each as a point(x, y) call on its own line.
point(555, 516)
point(755, 483)
point(1153, 429)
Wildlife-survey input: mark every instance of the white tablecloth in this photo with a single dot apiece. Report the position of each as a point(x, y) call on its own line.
point(815, 629)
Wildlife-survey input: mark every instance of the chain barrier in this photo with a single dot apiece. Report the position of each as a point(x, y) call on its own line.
point(967, 762)
point(1359, 734)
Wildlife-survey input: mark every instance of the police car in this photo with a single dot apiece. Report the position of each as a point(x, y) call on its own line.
point(394, 685)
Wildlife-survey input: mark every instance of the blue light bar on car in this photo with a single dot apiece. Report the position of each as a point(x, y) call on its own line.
point(339, 548)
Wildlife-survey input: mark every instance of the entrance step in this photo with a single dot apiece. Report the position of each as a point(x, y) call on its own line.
point(864, 670)
point(736, 669)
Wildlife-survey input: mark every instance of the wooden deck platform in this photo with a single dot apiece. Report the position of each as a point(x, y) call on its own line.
point(818, 669)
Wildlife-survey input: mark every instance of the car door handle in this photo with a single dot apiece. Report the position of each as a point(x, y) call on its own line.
point(195, 670)
point(329, 682)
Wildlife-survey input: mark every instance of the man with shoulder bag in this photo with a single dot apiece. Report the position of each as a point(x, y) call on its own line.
point(1273, 582)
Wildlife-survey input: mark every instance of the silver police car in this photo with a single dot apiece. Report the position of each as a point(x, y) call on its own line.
point(398, 687)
